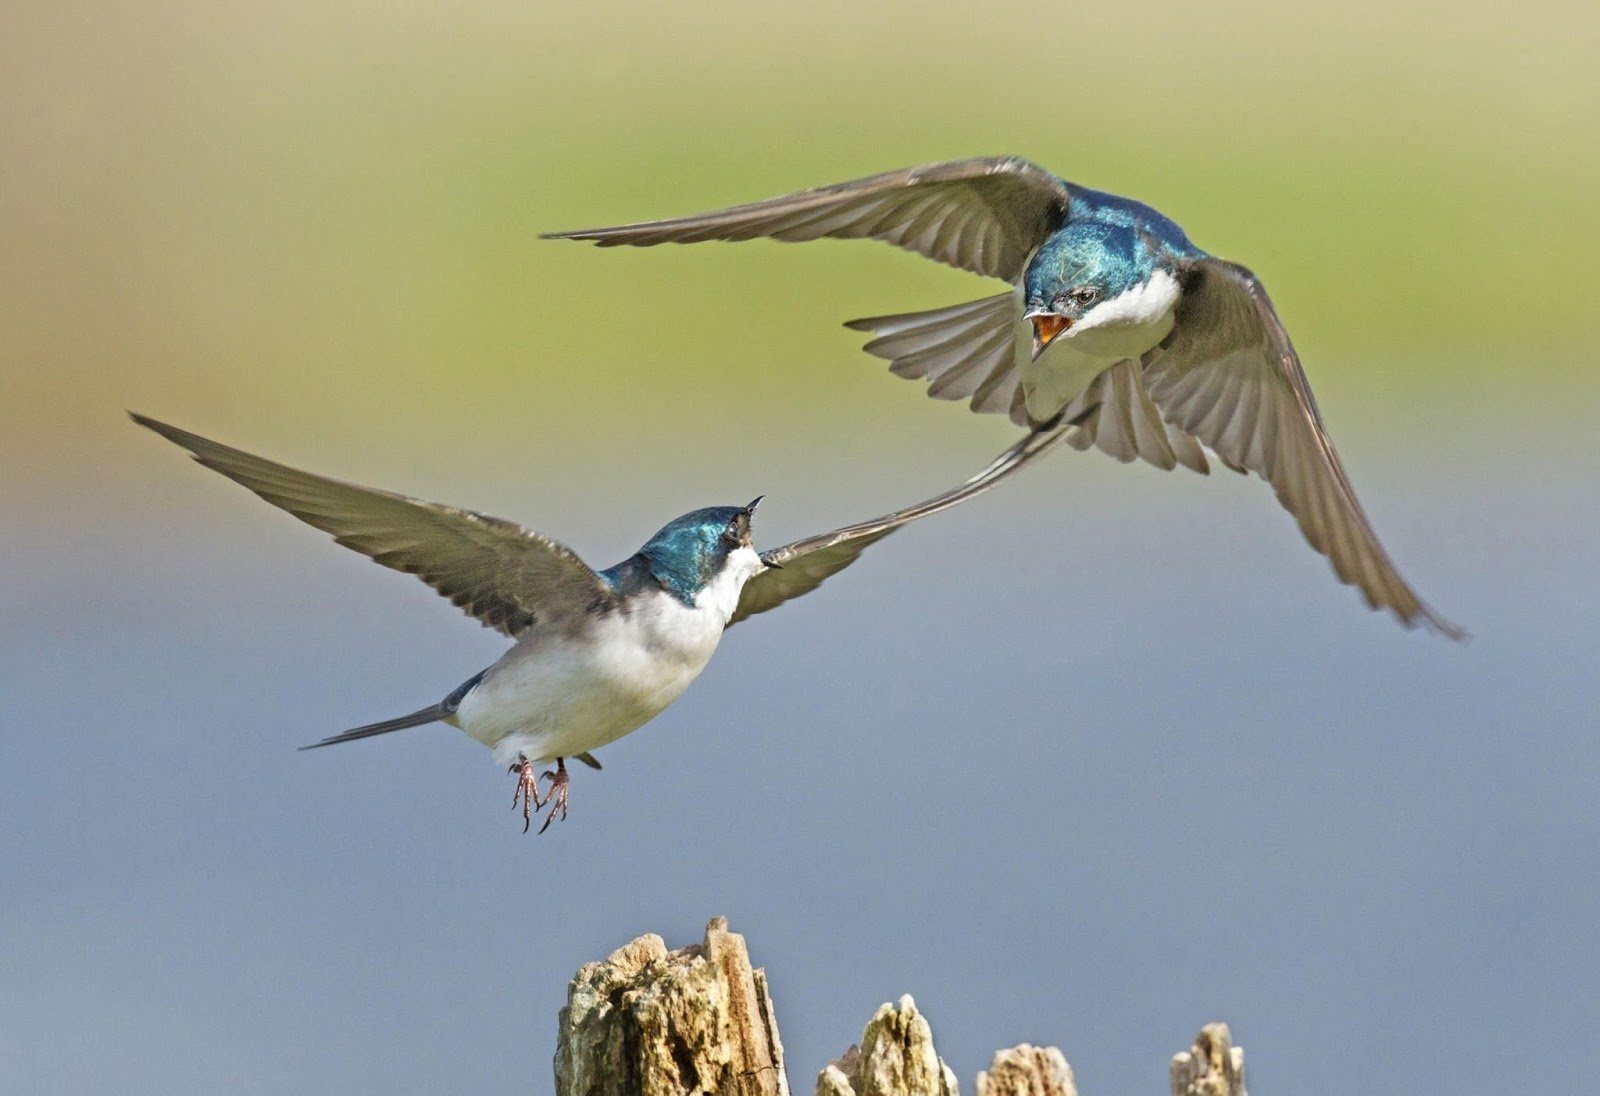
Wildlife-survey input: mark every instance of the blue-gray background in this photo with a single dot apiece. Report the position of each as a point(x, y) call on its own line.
point(1092, 761)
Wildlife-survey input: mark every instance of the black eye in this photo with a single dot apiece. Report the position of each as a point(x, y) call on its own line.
point(1079, 298)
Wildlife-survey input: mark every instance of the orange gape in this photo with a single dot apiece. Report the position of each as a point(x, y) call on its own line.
point(1046, 327)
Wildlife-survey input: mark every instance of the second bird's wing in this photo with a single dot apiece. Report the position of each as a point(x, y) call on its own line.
point(1229, 376)
point(801, 567)
point(984, 215)
point(508, 577)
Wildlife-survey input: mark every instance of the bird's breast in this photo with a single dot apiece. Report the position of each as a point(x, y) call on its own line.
point(557, 694)
point(662, 628)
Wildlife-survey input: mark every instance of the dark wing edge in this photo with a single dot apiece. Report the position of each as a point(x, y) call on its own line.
point(1230, 376)
point(985, 215)
point(798, 568)
point(503, 575)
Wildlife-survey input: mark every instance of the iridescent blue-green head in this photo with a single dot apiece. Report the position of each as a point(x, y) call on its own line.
point(1084, 264)
point(691, 551)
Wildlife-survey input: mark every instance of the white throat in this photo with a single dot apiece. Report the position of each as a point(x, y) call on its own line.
point(721, 594)
point(1145, 306)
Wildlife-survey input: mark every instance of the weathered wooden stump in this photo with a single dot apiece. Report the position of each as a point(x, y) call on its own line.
point(895, 1058)
point(1212, 1067)
point(699, 1022)
point(1027, 1071)
point(653, 1022)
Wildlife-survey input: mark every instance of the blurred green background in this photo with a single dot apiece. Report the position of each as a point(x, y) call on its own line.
point(1066, 733)
point(275, 216)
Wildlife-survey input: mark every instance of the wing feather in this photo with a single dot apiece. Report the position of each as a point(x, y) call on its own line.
point(1121, 421)
point(507, 577)
point(798, 568)
point(963, 350)
point(985, 215)
point(1229, 375)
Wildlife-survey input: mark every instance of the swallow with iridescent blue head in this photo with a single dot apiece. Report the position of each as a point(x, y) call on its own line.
point(1117, 330)
point(596, 654)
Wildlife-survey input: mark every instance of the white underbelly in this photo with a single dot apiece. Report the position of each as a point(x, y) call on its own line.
point(556, 697)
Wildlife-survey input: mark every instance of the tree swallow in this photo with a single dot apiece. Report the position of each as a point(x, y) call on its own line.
point(597, 654)
point(1116, 323)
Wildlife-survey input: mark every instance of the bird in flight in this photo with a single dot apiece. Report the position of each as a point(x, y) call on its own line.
point(1116, 325)
point(596, 654)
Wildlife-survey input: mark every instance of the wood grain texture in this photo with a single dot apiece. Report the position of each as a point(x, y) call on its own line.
point(653, 1022)
point(699, 1021)
point(1027, 1070)
point(895, 1058)
point(1212, 1067)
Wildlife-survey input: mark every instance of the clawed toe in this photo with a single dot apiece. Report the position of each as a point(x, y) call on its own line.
point(556, 795)
point(526, 795)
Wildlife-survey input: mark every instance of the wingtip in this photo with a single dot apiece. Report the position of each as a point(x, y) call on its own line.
point(1424, 618)
point(191, 443)
point(582, 235)
point(1439, 626)
point(166, 430)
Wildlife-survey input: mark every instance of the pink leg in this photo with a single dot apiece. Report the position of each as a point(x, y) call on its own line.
point(527, 794)
point(527, 791)
point(556, 794)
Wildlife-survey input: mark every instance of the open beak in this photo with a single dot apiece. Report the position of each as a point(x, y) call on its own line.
point(749, 512)
point(1047, 327)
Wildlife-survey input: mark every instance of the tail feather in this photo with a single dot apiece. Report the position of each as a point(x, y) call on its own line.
point(965, 350)
point(431, 714)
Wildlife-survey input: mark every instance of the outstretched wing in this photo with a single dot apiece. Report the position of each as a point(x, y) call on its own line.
point(984, 215)
point(508, 577)
point(801, 567)
point(1229, 376)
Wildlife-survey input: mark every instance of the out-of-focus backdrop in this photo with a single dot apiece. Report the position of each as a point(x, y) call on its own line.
point(1100, 757)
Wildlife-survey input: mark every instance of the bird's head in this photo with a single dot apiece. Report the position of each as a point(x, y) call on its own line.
point(1084, 265)
point(702, 547)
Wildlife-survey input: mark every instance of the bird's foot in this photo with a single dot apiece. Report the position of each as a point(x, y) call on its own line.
point(526, 795)
point(555, 796)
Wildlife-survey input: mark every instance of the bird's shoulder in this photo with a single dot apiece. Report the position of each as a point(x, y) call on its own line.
point(627, 580)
